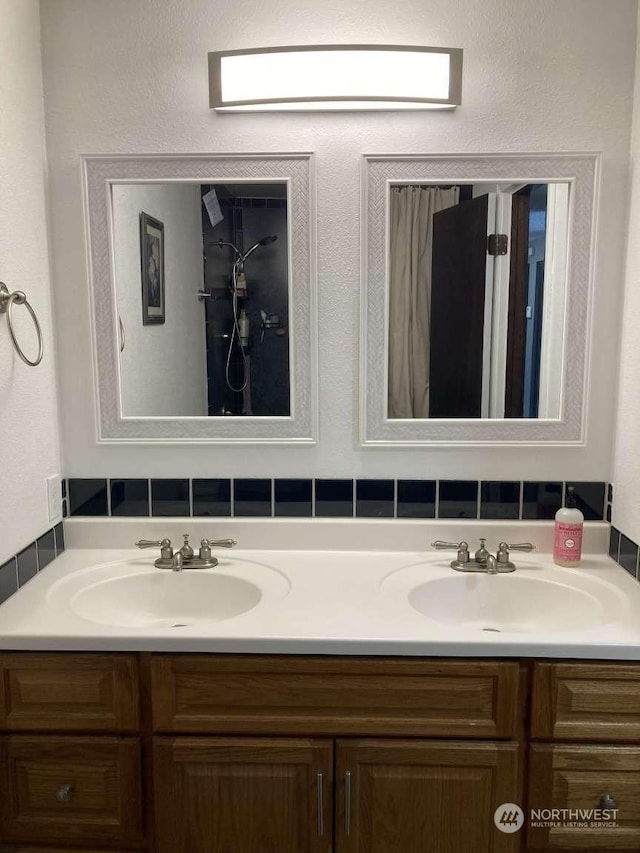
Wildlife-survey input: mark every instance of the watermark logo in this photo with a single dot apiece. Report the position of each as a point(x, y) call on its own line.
point(508, 817)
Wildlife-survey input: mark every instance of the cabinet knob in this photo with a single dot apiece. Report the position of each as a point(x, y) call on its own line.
point(608, 802)
point(63, 794)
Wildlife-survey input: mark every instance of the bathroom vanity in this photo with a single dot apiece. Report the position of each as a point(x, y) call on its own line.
point(259, 753)
point(340, 712)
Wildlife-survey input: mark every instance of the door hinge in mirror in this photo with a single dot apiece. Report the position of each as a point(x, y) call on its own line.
point(498, 244)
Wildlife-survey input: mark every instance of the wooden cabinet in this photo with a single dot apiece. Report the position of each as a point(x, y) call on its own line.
point(155, 753)
point(580, 777)
point(275, 795)
point(68, 692)
point(586, 702)
point(412, 796)
point(334, 696)
point(590, 715)
point(58, 788)
point(70, 789)
point(246, 795)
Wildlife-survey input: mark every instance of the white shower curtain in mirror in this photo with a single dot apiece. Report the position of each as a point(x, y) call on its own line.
point(411, 222)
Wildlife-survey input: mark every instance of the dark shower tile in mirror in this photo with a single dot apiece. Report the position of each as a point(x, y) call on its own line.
point(628, 556)
point(293, 498)
point(27, 563)
point(211, 497)
point(374, 498)
point(63, 487)
point(610, 492)
point(609, 513)
point(170, 498)
point(590, 499)
point(334, 498)
point(458, 499)
point(499, 499)
point(87, 497)
point(252, 497)
point(416, 499)
point(130, 497)
point(8, 579)
point(46, 549)
point(614, 543)
point(541, 500)
point(59, 532)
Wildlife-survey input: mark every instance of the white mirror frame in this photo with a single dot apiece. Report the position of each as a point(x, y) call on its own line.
point(100, 173)
point(378, 173)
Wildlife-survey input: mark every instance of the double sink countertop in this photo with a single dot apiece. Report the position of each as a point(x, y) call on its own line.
point(348, 587)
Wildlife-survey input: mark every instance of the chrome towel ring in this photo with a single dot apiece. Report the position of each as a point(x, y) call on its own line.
point(7, 301)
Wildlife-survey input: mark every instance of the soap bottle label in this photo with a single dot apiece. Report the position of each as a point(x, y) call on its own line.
point(567, 544)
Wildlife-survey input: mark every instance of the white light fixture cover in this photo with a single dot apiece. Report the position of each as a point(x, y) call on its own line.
point(335, 77)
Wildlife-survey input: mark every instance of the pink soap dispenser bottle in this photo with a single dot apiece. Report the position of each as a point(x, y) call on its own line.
point(567, 539)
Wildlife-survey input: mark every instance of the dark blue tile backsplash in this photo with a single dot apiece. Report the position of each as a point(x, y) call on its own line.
point(17, 571)
point(338, 498)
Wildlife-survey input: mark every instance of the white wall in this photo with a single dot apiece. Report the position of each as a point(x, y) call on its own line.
point(163, 366)
point(539, 75)
point(29, 441)
point(626, 474)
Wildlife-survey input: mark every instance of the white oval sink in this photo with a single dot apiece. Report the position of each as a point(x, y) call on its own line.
point(167, 600)
point(135, 594)
point(515, 603)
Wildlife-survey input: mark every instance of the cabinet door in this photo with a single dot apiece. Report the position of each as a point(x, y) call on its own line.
point(412, 796)
point(246, 795)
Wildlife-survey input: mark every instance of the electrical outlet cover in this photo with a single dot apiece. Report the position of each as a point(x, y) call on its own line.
point(54, 497)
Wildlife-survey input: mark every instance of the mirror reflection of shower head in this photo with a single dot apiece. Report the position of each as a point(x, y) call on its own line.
point(264, 242)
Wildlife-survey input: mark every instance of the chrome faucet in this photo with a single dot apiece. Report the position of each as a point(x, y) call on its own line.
point(184, 557)
point(483, 560)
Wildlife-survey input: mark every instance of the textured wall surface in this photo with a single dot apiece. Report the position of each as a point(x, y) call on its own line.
point(29, 440)
point(626, 474)
point(164, 365)
point(132, 77)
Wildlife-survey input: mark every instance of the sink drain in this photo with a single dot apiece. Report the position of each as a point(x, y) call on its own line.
point(180, 625)
point(492, 630)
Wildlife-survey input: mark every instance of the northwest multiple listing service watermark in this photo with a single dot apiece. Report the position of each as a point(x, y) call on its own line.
point(509, 818)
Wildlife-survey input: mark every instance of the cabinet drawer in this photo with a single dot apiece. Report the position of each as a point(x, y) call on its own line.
point(66, 790)
point(590, 702)
point(578, 777)
point(68, 692)
point(334, 696)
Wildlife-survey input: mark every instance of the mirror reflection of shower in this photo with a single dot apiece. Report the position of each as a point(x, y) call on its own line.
point(225, 299)
point(246, 298)
point(240, 329)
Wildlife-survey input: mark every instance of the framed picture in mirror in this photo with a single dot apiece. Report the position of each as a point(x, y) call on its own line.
point(152, 269)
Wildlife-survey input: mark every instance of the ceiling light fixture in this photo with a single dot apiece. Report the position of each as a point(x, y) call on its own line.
point(335, 77)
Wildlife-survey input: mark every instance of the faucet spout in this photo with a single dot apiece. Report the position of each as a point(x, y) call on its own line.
point(492, 565)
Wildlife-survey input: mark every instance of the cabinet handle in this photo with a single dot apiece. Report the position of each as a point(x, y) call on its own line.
point(63, 794)
point(319, 780)
point(347, 803)
point(608, 802)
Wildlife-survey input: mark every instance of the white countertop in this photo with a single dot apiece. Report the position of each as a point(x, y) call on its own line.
point(342, 601)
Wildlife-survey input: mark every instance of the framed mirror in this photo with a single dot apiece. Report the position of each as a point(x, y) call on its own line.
point(203, 292)
point(475, 298)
